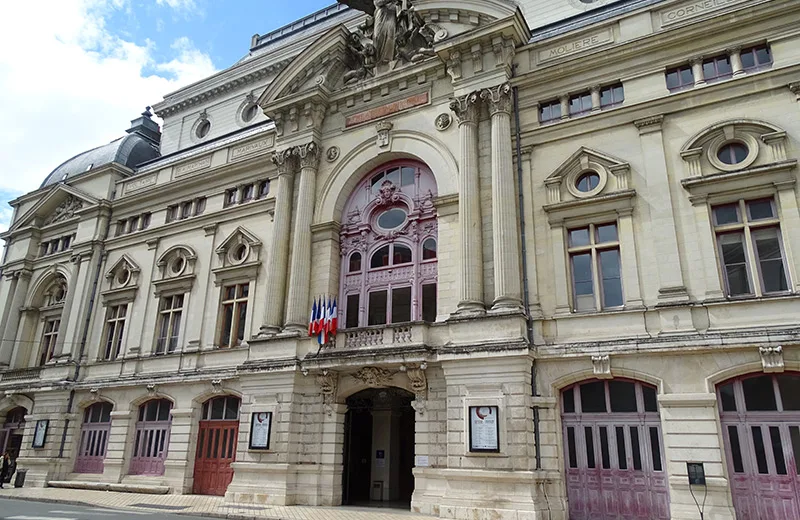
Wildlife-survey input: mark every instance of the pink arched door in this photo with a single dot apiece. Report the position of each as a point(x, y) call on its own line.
point(93, 440)
point(152, 438)
point(760, 417)
point(613, 451)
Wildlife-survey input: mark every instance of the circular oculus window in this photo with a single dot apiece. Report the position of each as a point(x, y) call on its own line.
point(733, 153)
point(239, 253)
point(177, 265)
point(249, 113)
point(587, 182)
point(203, 129)
point(124, 276)
point(392, 218)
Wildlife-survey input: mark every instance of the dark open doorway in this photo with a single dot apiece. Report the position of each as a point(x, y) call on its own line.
point(379, 448)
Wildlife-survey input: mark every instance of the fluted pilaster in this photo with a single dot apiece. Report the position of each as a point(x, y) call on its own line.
point(19, 281)
point(467, 110)
point(279, 253)
point(507, 279)
point(300, 270)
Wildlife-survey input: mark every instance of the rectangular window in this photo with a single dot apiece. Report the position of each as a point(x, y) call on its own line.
point(580, 103)
point(550, 111)
point(49, 337)
point(186, 209)
point(717, 68)
point(401, 305)
point(199, 205)
point(233, 314)
point(145, 220)
point(263, 189)
point(351, 316)
point(429, 303)
point(376, 313)
point(169, 323)
point(115, 327)
point(755, 58)
point(172, 213)
point(247, 192)
point(121, 228)
point(612, 95)
point(680, 78)
point(66, 242)
point(133, 224)
point(595, 267)
point(750, 248)
point(230, 197)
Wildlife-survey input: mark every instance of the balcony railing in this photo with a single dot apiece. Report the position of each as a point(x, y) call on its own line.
point(21, 374)
point(384, 336)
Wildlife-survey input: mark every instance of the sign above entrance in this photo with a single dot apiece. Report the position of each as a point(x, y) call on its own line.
point(386, 110)
point(260, 425)
point(484, 429)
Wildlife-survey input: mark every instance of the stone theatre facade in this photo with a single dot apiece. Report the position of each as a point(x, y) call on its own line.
point(563, 237)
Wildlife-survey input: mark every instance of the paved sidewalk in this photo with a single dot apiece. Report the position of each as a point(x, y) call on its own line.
point(203, 505)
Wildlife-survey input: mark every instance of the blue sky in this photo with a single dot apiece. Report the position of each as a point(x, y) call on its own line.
point(73, 73)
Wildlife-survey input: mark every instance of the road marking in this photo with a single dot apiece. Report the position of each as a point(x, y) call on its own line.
point(101, 512)
point(22, 517)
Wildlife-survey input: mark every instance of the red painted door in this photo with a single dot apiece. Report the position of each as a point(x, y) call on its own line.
point(613, 452)
point(760, 418)
point(216, 449)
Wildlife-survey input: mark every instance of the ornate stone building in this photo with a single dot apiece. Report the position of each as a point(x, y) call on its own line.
point(563, 236)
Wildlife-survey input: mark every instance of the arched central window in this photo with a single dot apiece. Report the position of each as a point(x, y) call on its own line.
point(389, 248)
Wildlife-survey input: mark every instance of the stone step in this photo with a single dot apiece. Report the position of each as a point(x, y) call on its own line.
point(110, 486)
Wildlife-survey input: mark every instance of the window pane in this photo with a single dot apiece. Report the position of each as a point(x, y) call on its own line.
point(392, 218)
point(733, 257)
point(402, 255)
point(789, 386)
point(728, 214)
point(393, 176)
point(593, 397)
point(587, 430)
point(151, 412)
point(355, 263)
point(687, 76)
point(401, 305)
point(736, 449)
point(794, 433)
point(748, 59)
point(760, 209)
point(569, 401)
point(759, 394)
point(351, 318)
point(758, 447)
point(612, 284)
point(709, 71)
point(768, 250)
point(623, 396)
point(604, 453)
point(218, 408)
point(227, 323)
point(763, 55)
point(429, 303)
point(573, 456)
point(582, 281)
point(579, 237)
point(376, 314)
point(429, 249)
point(380, 258)
point(242, 318)
point(231, 408)
point(635, 449)
point(622, 451)
point(727, 397)
point(650, 401)
point(408, 175)
point(777, 450)
point(606, 233)
point(724, 66)
point(673, 80)
point(655, 448)
point(163, 410)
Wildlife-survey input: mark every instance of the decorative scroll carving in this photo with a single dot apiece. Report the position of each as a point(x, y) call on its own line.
point(419, 385)
point(772, 359)
point(499, 98)
point(466, 108)
point(309, 155)
point(374, 377)
point(328, 381)
point(388, 193)
point(601, 366)
point(284, 160)
point(65, 210)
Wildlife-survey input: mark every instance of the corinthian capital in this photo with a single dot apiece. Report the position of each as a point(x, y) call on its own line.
point(308, 154)
point(466, 108)
point(499, 98)
point(284, 160)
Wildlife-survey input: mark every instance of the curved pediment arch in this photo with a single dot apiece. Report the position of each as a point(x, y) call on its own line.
point(729, 126)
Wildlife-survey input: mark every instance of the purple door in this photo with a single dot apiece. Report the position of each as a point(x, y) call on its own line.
point(760, 417)
point(613, 452)
point(152, 438)
point(93, 439)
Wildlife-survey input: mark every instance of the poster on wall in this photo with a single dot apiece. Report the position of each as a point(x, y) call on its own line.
point(260, 425)
point(484, 429)
point(40, 433)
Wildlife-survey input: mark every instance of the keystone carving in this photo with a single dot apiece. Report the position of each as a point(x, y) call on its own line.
point(384, 129)
point(94, 393)
point(772, 359)
point(328, 382)
point(152, 389)
point(216, 386)
point(65, 210)
point(419, 385)
point(499, 99)
point(601, 366)
point(374, 377)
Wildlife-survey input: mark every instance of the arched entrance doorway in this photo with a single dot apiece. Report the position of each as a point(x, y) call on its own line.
point(93, 442)
point(613, 451)
point(11, 433)
point(216, 445)
point(152, 438)
point(379, 448)
point(760, 417)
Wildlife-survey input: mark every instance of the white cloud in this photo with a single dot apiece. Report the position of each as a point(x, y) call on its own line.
point(68, 84)
point(178, 4)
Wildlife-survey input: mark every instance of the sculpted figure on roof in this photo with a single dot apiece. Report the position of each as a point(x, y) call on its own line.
point(393, 33)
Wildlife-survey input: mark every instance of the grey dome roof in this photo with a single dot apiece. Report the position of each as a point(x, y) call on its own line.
point(130, 150)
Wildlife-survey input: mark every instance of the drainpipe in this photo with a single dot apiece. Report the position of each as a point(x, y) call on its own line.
point(86, 324)
point(525, 291)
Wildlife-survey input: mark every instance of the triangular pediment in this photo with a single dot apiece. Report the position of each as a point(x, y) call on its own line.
point(582, 160)
point(587, 174)
point(62, 203)
point(123, 273)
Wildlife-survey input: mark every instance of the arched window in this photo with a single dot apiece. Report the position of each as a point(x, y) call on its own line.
point(94, 438)
point(152, 438)
point(50, 313)
point(389, 243)
point(216, 445)
point(613, 451)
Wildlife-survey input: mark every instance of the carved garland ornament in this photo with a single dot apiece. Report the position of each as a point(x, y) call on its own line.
point(374, 377)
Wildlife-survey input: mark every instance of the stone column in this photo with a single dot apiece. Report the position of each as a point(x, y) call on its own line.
point(563, 285)
point(505, 222)
point(297, 309)
point(736, 60)
point(564, 107)
point(708, 246)
point(697, 71)
point(790, 229)
point(595, 98)
point(279, 253)
point(20, 280)
point(71, 330)
point(630, 266)
point(467, 110)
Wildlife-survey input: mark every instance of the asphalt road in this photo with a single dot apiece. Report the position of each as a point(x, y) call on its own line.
point(24, 510)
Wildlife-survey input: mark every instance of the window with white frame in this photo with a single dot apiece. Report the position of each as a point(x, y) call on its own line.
point(749, 248)
point(595, 267)
point(115, 327)
point(170, 311)
point(233, 314)
point(49, 337)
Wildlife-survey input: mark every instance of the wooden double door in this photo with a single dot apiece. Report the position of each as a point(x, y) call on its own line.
point(216, 450)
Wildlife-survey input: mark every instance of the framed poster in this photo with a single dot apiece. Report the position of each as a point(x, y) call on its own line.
point(40, 433)
point(484, 429)
point(260, 426)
